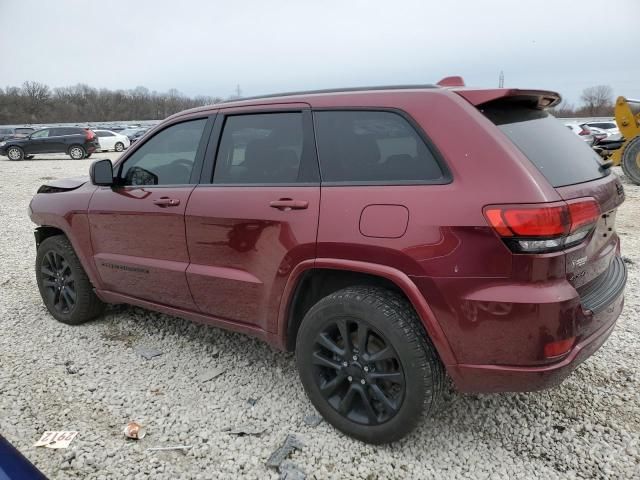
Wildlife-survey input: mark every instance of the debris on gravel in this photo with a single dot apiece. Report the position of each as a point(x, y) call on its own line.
point(588, 427)
point(312, 420)
point(291, 443)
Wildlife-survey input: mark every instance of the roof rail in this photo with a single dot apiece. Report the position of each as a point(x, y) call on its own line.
point(331, 90)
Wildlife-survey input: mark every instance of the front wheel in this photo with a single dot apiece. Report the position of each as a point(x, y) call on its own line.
point(76, 152)
point(119, 147)
point(15, 153)
point(64, 286)
point(367, 364)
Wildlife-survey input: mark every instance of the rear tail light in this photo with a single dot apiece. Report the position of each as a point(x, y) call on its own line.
point(540, 228)
point(559, 347)
point(584, 131)
point(89, 135)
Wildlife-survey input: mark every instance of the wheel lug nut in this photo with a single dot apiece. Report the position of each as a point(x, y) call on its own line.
point(350, 378)
point(366, 369)
point(345, 364)
point(355, 357)
point(362, 381)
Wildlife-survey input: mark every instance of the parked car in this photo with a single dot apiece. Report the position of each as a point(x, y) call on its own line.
point(358, 229)
point(582, 131)
point(112, 141)
point(608, 127)
point(76, 142)
point(15, 132)
point(600, 134)
point(134, 133)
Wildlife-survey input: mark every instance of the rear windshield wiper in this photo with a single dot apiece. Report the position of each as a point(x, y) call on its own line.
point(606, 165)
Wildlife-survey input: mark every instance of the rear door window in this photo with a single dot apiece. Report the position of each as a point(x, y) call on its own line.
point(560, 155)
point(375, 147)
point(265, 148)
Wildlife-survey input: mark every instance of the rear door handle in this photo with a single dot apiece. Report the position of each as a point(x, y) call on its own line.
point(289, 204)
point(167, 202)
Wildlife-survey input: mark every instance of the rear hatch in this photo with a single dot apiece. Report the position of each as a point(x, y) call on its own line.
point(593, 266)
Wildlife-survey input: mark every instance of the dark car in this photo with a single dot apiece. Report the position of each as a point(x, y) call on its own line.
point(15, 132)
point(389, 236)
point(77, 142)
point(134, 133)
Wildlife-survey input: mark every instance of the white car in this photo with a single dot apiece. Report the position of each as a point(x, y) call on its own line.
point(583, 132)
point(112, 141)
point(608, 127)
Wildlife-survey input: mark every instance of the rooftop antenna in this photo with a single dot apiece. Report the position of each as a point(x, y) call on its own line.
point(501, 80)
point(238, 91)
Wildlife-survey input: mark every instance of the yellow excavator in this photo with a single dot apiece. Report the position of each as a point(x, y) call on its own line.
point(626, 152)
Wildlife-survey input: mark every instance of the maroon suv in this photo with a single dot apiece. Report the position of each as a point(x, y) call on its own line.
point(387, 235)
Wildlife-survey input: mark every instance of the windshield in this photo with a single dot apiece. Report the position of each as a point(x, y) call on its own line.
point(560, 155)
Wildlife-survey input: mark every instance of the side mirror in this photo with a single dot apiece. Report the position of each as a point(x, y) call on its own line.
point(101, 173)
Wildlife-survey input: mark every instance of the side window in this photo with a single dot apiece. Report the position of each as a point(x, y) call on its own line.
point(166, 158)
point(261, 148)
point(41, 134)
point(372, 146)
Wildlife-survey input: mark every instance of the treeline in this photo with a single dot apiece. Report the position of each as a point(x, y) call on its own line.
point(595, 101)
point(35, 102)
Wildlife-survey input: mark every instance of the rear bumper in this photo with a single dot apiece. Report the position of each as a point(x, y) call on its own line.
point(505, 378)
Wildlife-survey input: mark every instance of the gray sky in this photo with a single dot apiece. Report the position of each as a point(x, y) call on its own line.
point(207, 47)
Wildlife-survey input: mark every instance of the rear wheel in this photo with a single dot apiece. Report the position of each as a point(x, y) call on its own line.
point(366, 363)
point(76, 152)
point(631, 160)
point(119, 147)
point(64, 286)
point(15, 153)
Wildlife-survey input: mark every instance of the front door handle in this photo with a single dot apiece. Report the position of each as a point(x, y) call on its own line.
point(167, 202)
point(286, 204)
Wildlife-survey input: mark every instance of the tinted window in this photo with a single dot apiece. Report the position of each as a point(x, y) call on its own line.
point(262, 148)
point(41, 134)
point(603, 125)
point(23, 130)
point(103, 133)
point(166, 158)
point(365, 146)
point(561, 156)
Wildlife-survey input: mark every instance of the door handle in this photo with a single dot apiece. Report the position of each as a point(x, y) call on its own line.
point(286, 204)
point(167, 202)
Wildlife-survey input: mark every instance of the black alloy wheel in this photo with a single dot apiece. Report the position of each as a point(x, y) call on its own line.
point(358, 372)
point(59, 282)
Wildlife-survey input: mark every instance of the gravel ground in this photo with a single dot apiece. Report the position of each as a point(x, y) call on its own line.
point(92, 379)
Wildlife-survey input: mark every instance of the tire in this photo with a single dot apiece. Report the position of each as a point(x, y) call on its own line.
point(119, 147)
point(631, 160)
point(396, 360)
point(15, 153)
point(60, 276)
point(77, 152)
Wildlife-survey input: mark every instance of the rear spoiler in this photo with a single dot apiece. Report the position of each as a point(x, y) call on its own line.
point(535, 98)
point(540, 99)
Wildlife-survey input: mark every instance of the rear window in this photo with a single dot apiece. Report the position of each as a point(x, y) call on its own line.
point(560, 155)
point(24, 130)
point(373, 147)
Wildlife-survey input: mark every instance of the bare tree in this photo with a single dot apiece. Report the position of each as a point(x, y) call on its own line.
point(597, 100)
point(37, 96)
